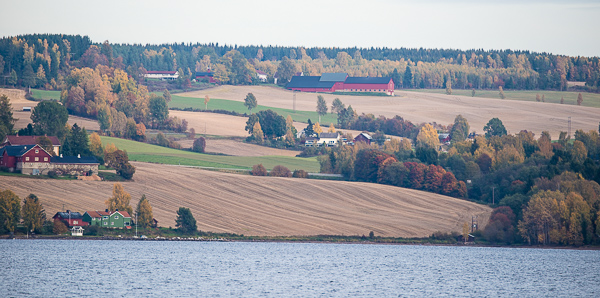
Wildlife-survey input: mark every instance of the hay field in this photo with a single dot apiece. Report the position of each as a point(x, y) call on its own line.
point(250, 205)
point(18, 101)
point(238, 148)
point(429, 107)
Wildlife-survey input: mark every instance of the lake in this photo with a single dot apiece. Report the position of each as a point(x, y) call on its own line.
point(53, 268)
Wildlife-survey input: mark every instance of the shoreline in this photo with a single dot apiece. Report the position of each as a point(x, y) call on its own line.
point(221, 239)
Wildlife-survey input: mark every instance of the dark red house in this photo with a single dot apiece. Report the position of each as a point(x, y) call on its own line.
point(208, 76)
point(29, 159)
point(363, 137)
point(335, 82)
point(70, 219)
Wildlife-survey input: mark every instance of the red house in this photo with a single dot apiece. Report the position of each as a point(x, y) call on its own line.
point(208, 76)
point(363, 137)
point(70, 219)
point(335, 82)
point(29, 159)
point(26, 140)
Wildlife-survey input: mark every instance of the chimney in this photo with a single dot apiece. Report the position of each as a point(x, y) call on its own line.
point(61, 155)
point(116, 209)
point(68, 211)
point(105, 210)
point(78, 155)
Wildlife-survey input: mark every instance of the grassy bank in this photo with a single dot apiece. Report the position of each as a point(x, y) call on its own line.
point(589, 99)
point(156, 154)
point(45, 94)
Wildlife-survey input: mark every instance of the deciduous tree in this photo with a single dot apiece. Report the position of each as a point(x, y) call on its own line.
point(199, 145)
point(337, 106)
point(167, 95)
point(460, 129)
point(250, 101)
point(49, 117)
point(428, 137)
point(206, 100)
point(144, 213)
point(321, 107)
point(280, 171)
point(494, 128)
point(579, 99)
point(317, 128)
point(33, 213)
point(10, 210)
point(258, 170)
point(120, 199)
point(501, 92)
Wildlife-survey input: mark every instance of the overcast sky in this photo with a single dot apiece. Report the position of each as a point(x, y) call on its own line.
point(555, 26)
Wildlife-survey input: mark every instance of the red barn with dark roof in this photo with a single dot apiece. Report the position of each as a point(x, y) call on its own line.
point(335, 82)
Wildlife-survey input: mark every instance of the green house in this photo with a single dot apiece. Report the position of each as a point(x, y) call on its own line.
point(107, 219)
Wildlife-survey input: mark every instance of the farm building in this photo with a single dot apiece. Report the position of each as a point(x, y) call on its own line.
point(34, 160)
point(261, 75)
point(69, 218)
point(363, 137)
point(207, 76)
point(162, 75)
point(324, 139)
point(341, 82)
point(26, 140)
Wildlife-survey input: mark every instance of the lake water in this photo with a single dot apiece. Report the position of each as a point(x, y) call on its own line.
point(57, 268)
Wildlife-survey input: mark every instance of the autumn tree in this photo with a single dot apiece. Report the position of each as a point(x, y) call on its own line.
point(10, 210)
point(428, 137)
point(317, 128)
point(331, 128)
point(144, 213)
point(199, 145)
point(46, 144)
point(167, 96)
point(250, 101)
point(321, 107)
point(562, 100)
point(501, 92)
point(119, 200)
point(540, 217)
point(258, 170)
point(538, 98)
point(96, 147)
point(257, 133)
point(460, 129)
point(33, 213)
point(579, 99)
point(59, 228)
point(448, 88)
point(280, 171)
point(119, 161)
point(206, 100)
point(286, 70)
point(494, 127)
point(185, 221)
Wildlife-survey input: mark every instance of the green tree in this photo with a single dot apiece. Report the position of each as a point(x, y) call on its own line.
point(158, 108)
point(104, 118)
point(167, 96)
point(33, 213)
point(337, 106)
point(13, 78)
point(10, 210)
point(185, 221)
point(250, 101)
point(46, 144)
point(494, 127)
point(49, 118)
point(286, 70)
point(199, 145)
point(7, 121)
point(473, 93)
point(460, 129)
point(76, 142)
point(309, 130)
point(321, 107)
point(120, 199)
point(408, 78)
point(253, 119)
point(144, 213)
point(272, 124)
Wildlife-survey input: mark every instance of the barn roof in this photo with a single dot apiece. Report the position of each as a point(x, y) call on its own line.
point(26, 140)
point(368, 80)
point(17, 150)
point(161, 72)
point(329, 135)
point(74, 159)
point(333, 77)
point(73, 215)
point(308, 82)
point(204, 74)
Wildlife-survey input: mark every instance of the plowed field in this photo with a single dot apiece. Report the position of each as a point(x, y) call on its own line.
point(250, 205)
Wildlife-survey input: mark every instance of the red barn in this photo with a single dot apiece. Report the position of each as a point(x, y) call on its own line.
point(334, 82)
point(29, 159)
point(363, 137)
point(208, 76)
point(70, 219)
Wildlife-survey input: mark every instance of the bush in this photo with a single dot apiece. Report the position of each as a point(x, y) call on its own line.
point(126, 171)
point(53, 174)
point(60, 228)
point(199, 145)
point(300, 174)
point(280, 171)
point(258, 170)
point(93, 230)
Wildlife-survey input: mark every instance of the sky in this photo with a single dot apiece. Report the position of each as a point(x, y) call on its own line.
point(552, 26)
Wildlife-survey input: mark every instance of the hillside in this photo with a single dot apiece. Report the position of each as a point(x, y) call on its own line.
point(250, 205)
point(429, 107)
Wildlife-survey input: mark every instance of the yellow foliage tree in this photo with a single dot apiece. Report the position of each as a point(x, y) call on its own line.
point(317, 128)
point(545, 145)
point(96, 145)
point(33, 213)
point(331, 128)
point(257, 132)
point(119, 200)
point(392, 146)
point(289, 123)
point(110, 148)
point(428, 137)
point(144, 213)
point(507, 156)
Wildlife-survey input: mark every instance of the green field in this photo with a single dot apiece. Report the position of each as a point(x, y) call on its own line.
point(589, 99)
point(181, 102)
point(45, 94)
point(156, 154)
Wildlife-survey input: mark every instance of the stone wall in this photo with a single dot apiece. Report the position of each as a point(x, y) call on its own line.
point(42, 168)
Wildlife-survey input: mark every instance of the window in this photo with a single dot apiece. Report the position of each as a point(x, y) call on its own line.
point(105, 223)
point(112, 223)
point(75, 222)
point(116, 217)
point(45, 158)
point(37, 151)
point(104, 217)
point(126, 223)
point(37, 158)
point(27, 158)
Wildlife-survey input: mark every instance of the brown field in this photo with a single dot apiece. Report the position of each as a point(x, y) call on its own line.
point(18, 101)
point(250, 205)
point(239, 148)
point(428, 107)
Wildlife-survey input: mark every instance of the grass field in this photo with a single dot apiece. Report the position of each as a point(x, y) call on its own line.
point(589, 99)
point(156, 154)
point(45, 94)
point(237, 106)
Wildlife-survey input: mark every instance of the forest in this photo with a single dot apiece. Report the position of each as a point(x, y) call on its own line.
point(44, 60)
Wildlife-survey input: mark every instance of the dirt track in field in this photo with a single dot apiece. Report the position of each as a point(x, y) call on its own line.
point(251, 205)
point(427, 107)
point(18, 101)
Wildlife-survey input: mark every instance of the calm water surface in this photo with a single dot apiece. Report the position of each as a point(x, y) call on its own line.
point(57, 268)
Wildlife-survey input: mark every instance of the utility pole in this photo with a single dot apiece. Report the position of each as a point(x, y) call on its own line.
point(493, 195)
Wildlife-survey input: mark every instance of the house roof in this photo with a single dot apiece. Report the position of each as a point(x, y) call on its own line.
point(124, 213)
point(367, 80)
point(19, 150)
point(260, 72)
point(73, 215)
point(95, 214)
point(329, 135)
point(333, 77)
point(204, 74)
point(308, 82)
point(74, 159)
point(366, 135)
point(26, 140)
point(161, 72)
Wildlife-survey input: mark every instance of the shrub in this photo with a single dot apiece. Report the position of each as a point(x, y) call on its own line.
point(300, 174)
point(258, 170)
point(280, 171)
point(199, 145)
point(60, 228)
point(52, 174)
